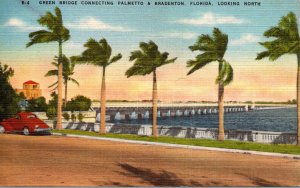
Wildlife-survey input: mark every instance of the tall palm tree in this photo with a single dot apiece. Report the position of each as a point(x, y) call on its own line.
point(286, 41)
point(56, 33)
point(68, 71)
point(147, 60)
point(213, 49)
point(99, 54)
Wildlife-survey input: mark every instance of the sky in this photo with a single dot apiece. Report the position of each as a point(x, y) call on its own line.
point(173, 29)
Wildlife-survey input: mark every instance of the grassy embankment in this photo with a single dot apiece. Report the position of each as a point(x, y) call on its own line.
point(276, 148)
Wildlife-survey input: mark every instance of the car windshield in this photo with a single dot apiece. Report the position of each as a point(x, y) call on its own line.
point(31, 116)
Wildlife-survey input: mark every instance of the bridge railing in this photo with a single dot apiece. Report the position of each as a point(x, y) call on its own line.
point(190, 132)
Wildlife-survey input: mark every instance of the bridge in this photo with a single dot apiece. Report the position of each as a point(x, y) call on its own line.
point(138, 110)
point(145, 112)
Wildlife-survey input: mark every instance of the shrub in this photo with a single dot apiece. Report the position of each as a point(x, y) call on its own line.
point(51, 113)
point(37, 105)
point(73, 117)
point(66, 116)
point(80, 117)
point(79, 103)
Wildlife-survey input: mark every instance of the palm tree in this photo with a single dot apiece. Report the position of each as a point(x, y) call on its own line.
point(214, 48)
point(68, 71)
point(99, 54)
point(56, 33)
point(147, 60)
point(286, 41)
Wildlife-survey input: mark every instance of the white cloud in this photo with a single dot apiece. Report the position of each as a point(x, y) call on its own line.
point(14, 22)
point(210, 18)
point(183, 35)
point(91, 23)
point(245, 39)
point(18, 23)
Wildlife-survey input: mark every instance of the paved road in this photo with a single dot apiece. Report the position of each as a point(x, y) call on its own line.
point(61, 161)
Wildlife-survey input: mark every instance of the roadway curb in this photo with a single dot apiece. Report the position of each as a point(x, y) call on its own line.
point(291, 156)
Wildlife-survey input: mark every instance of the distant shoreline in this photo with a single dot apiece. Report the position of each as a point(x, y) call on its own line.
point(163, 104)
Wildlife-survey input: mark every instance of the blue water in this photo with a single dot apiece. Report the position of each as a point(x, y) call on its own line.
point(277, 120)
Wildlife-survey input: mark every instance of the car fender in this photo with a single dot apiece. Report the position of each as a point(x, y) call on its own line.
point(29, 126)
point(7, 126)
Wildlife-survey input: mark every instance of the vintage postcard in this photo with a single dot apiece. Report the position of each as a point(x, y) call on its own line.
point(150, 93)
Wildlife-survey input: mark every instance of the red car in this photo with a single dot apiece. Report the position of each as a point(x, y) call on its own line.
point(26, 123)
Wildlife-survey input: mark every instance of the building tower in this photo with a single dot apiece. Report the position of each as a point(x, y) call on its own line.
point(31, 90)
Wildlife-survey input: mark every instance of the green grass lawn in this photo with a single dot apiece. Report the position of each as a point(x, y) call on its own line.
point(230, 144)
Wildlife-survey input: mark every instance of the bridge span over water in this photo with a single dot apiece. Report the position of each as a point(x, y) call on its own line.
point(133, 111)
point(145, 112)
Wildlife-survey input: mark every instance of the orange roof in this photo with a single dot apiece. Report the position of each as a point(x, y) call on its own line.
point(30, 82)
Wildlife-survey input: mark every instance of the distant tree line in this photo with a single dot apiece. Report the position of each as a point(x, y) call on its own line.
point(293, 101)
point(78, 103)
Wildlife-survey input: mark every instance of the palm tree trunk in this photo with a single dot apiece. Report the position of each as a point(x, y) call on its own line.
point(154, 105)
point(298, 100)
point(66, 93)
point(59, 89)
point(221, 135)
point(103, 104)
point(221, 112)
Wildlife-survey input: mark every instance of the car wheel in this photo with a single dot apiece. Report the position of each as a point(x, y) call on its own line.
point(26, 131)
point(2, 129)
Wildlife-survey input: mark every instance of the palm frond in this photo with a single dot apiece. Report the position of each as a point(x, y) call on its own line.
point(57, 32)
point(55, 83)
point(221, 72)
point(41, 36)
point(138, 70)
point(92, 43)
point(75, 59)
point(52, 73)
point(68, 69)
point(58, 17)
point(65, 34)
point(115, 58)
point(55, 88)
point(276, 48)
point(201, 61)
point(275, 32)
point(96, 53)
point(225, 76)
point(262, 55)
point(168, 61)
point(286, 39)
point(48, 20)
point(74, 81)
point(229, 75)
point(204, 43)
point(204, 57)
point(214, 48)
point(106, 49)
point(294, 47)
point(197, 64)
point(135, 55)
point(55, 24)
point(54, 64)
point(147, 59)
point(221, 42)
